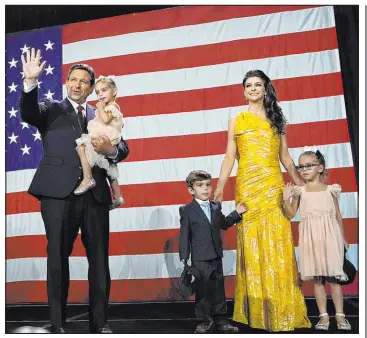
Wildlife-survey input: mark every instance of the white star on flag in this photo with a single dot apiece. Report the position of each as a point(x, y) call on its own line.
point(13, 87)
point(49, 45)
point(49, 95)
point(49, 70)
point(13, 63)
point(38, 83)
point(21, 73)
point(24, 125)
point(25, 150)
point(13, 138)
point(12, 112)
point(24, 49)
point(37, 136)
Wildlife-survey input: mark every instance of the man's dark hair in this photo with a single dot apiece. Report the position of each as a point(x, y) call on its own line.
point(85, 67)
point(197, 175)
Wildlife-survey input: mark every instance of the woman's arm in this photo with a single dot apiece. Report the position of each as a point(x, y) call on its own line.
point(228, 161)
point(287, 162)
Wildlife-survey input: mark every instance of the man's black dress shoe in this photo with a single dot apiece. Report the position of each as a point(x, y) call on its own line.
point(104, 329)
point(57, 329)
point(205, 327)
point(228, 328)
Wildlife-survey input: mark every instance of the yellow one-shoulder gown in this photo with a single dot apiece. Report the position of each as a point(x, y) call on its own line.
point(267, 295)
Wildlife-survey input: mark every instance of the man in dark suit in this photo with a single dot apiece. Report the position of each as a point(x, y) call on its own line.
point(201, 221)
point(58, 174)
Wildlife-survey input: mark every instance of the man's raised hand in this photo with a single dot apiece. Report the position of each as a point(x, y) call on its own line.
point(32, 68)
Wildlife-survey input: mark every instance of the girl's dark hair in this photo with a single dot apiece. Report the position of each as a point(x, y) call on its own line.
point(320, 158)
point(272, 109)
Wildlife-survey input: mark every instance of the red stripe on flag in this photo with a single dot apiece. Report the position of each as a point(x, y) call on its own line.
point(227, 96)
point(320, 133)
point(145, 195)
point(124, 243)
point(130, 290)
point(164, 19)
point(184, 146)
point(231, 51)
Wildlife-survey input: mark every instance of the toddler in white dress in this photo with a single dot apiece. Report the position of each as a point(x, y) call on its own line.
point(108, 121)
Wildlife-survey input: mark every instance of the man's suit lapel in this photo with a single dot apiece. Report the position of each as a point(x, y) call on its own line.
point(73, 118)
point(90, 112)
point(197, 208)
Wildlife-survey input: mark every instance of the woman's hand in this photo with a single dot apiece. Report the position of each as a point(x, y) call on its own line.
point(288, 191)
point(218, 195)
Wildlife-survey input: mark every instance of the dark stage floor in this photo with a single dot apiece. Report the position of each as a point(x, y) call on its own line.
point(148, 318)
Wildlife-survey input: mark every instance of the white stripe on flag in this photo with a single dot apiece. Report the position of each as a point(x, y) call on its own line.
point(148, 218)
point(200, 34)
point(225, 74)
point(337, 155)
point(125, 267)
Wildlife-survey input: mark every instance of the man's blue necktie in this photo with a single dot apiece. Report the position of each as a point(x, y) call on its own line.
point(206, 207)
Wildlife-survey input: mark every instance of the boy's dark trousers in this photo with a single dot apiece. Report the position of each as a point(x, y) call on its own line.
point(210, 300)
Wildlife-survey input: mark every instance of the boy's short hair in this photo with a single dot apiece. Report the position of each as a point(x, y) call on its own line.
point(197, 175)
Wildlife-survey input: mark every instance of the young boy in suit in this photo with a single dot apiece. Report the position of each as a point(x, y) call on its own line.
point(201, 221)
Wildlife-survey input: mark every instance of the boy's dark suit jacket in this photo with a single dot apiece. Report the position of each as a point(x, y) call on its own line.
point(200, 237)
point(59, 169)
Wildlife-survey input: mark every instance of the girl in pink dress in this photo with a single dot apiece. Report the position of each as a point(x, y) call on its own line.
point(321, 234)
point(108, 121)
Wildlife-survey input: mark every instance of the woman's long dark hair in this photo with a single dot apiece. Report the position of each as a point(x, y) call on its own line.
point(272, 109)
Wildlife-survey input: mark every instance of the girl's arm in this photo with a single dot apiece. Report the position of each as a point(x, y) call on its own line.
point(290, 201)
point(340, 220)
point(287, 162)
point(290, 208)
point(106, 116)
point(228, 161)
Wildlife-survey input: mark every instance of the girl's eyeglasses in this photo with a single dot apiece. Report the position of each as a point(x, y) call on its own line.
point(306, 166)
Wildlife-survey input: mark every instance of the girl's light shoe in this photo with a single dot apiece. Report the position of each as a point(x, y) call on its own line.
point(116, 203)
point(322, 326)
point(343, 326)
point(82, 189)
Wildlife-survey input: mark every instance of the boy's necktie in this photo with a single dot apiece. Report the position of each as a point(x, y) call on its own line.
point(206, 207)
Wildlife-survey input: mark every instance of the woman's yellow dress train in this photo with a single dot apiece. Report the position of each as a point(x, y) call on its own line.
point(267, 295)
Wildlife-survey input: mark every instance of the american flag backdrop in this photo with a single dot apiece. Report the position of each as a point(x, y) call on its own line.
point(179, 74)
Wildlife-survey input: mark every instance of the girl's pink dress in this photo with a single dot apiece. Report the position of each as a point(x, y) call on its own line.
point(321, 243)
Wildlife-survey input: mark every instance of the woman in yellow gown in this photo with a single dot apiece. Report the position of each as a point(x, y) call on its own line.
point(267, 294)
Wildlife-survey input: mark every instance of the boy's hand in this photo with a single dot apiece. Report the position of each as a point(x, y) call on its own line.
point(241, 208)
point(100, 105)
point(288, 191)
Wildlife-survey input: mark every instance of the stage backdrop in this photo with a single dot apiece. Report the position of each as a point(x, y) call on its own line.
point(179, 74)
